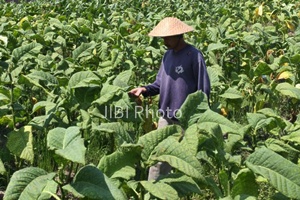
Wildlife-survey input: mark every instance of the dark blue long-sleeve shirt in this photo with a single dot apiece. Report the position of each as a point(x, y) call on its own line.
point(181, 73)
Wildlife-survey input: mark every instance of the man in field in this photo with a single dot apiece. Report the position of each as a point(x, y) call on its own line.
point(182, 72)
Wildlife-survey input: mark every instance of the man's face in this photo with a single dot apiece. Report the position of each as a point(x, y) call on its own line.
point(171, 42)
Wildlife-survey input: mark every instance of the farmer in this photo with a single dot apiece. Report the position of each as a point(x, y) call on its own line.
point(182, 72)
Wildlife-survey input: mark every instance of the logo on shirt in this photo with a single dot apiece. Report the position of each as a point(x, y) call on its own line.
point(179, 69)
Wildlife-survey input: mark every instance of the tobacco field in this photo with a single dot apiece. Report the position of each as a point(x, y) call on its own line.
point(69, 130)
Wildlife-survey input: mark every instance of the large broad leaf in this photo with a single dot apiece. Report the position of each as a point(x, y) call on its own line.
point(26, 51)
point(118, 129)
point(47, 78)
point(67, 143)
point(108, 93)
point(20, 143)
point(293, 137)
point(91, 183)
point(245, 184)
point(288, 90)
point(123, 79)
point(84, 51)
point(282, 148)
point(262, 69)
point(183, 184)
point(32, 80)
point(259, 121)
point(119, 165)
point(280, 172)
point(84, 79)
point(194, 103)
point(210, 118)
point(216, 46)
point(190, 139)
point(160, 190)
point(153, 138)
point(47, 105)
point(232, 93)
point(179, 157)
point(30, 183)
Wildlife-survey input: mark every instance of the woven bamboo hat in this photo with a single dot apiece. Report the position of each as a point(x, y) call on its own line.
point(170, 26)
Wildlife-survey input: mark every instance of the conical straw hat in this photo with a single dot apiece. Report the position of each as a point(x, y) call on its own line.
point(170, 26)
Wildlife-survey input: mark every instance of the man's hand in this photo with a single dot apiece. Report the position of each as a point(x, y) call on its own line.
point(136, 92)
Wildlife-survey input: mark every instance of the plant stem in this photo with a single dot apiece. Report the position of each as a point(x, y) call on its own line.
point(12, 99)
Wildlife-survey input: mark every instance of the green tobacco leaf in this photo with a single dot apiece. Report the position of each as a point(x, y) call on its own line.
point(288, 90)
point(282, 148)
point(190, 139)
point(245, 184)
point(108, 93)
point(55, 23)
point(84, 79)
point(44, 104)
point(27, 79)
point(20, 143)
point(67, 143)
point(119, 165)
point(280, 172)
point(160, 190)
point(30, 183)
point(26, 51)
point(216, 46)
point(179, 157)
point(46, 78)
point(293, 137)
point(232, 93)
point(153, 138)
point(183, 184)
point(116, 127)
point(2, 168)
point(194, 103)
point(262, 68)
point(211, 118)
point(3, 97)
point(91, 183)
point(84, 51)
point(295, 59)
point(123, 79)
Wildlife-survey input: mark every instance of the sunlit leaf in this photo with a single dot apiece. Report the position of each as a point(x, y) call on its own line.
point(30, 183)
point(20, 143)
point(288, 90)
point(91, 183)
point(281, 173)
point(67, 143)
